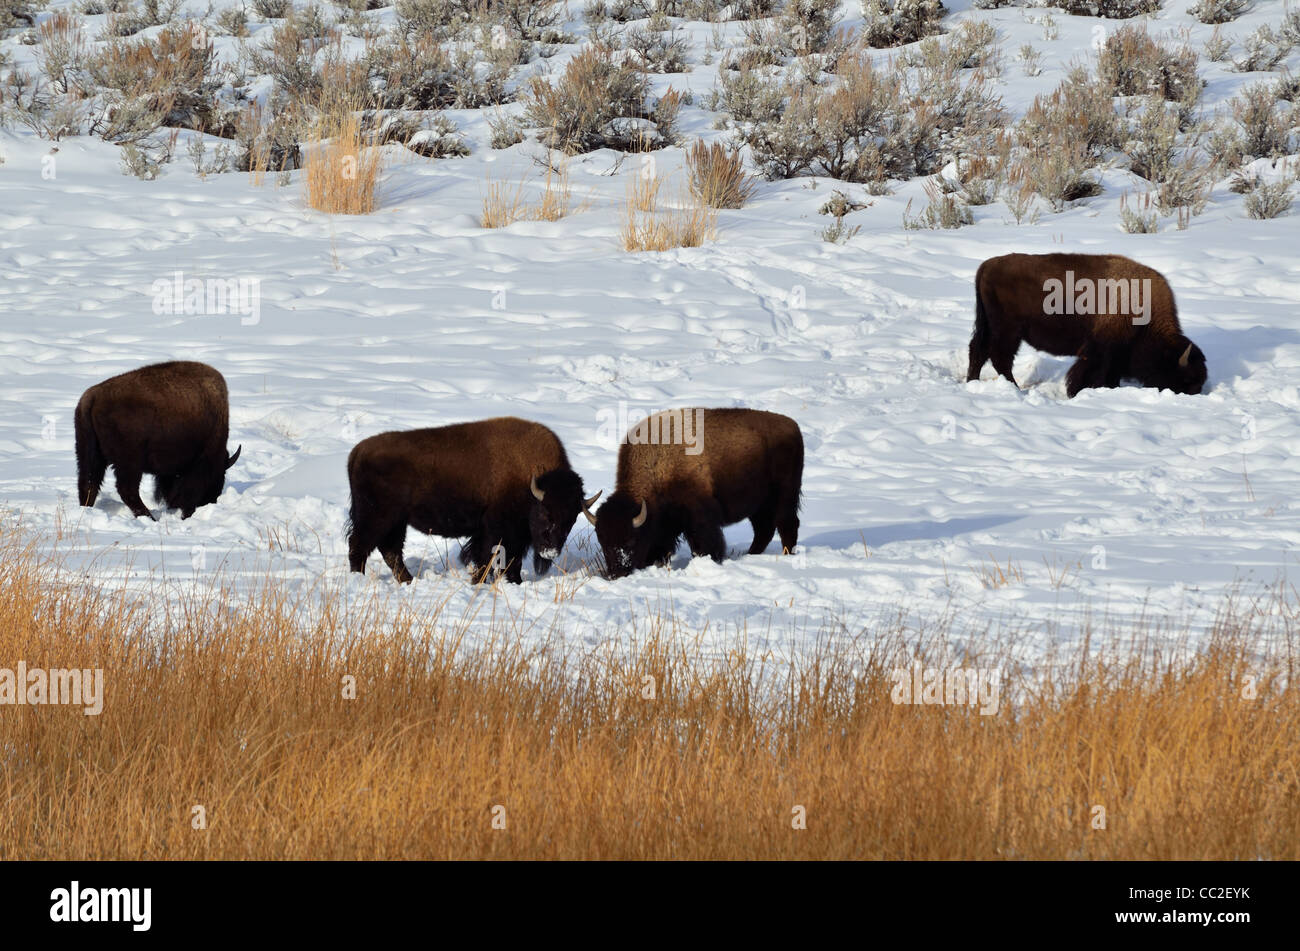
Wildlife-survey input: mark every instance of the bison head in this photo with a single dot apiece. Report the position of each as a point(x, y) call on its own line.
point(1177, 365)
point(620, 529)
point(200, 485)
point(557, 500)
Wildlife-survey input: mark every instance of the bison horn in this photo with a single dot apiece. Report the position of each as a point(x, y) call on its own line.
point(538, 494)
point(640, 519)
point(231, 461)
point(1182, 361)
point(586, 507)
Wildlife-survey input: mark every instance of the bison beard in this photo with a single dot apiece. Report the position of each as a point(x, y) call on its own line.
point(168, 420)
point(505, 484)
point(1010, 295)
point(750, 467)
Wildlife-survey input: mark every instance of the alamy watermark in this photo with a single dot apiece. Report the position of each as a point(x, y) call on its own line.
point(1098, 298)
point(950, 686)
point(178, 294)
point(38, 686)
point(673, 427)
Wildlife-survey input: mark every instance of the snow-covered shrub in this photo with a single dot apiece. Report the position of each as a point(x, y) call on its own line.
point(1264, 49)
point(1265, 123)
point(291, 59)
point(945, 208)
point(1131, 63)
point(1110, 9)
point(750, 95)
point(808, 25)
point(1153, 141)
point(1079, 109)
point(435, 137)
point(410, 73)
point(972, 45)
point(431, 18)
point(621, 11)
point(173, 74)
point(658, 51)
point(273, 9)
point(15, 13)
point(1060, 171)
point(532, 20)
point(1143, 221)
point(264, 145)
point(233, 21)
point(505, 130)
point(871, 124)
point(788, 145)
point(61, 52)
point(594, 103)
point(897, 22)
point(142, 15)
point(1218, 11)
point(1269, 201)
point(143, 161)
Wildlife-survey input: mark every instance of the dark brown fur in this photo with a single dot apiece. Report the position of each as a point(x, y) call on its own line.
point(168, 420)
point(1009, 309)
point(467, 480)
point(750, 467)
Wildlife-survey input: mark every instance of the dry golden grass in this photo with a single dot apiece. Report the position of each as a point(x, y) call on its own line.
point(648, 227)
point(718, 177)
point(503, 206)
point(341, 172)
point(239, 707)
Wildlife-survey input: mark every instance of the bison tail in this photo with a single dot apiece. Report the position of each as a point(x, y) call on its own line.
point(981, 338)
point(91, 462)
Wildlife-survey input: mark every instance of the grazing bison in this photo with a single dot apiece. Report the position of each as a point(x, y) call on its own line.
point(169, 420)
point(1115, 315)
point(693, 471)
point(502, 482)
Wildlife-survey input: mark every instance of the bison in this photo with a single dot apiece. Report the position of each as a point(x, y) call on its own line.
point(690, 472)
point(505, 483)
point(1116, 316)
point(169, 420)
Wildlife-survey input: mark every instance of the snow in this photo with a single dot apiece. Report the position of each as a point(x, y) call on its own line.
point(916, 483)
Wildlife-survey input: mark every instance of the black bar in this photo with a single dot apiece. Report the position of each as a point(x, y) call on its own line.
point(669, 901)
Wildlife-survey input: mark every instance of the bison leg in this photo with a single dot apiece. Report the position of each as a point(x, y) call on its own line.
point(1004, 355)
point(390, 546)
point(1091, 369)
point(705, 533)
point(764, 523)
point(128, 487)
point(359, 549)
point(787, 523)
point(661, 550)
point(508, 553)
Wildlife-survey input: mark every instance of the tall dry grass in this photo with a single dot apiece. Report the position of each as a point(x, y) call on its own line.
point(239, 707)
point(341, 171)
point(503, 206)
point(649, 226)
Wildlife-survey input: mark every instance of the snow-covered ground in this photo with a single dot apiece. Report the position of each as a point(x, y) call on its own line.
point(1115, 503)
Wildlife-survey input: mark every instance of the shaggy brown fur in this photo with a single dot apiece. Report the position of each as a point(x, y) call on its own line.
point(469, 479)
point(1010, 296)
point(169, 420)
point(750, 466)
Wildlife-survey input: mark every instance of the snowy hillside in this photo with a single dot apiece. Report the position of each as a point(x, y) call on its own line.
point(923, 494)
